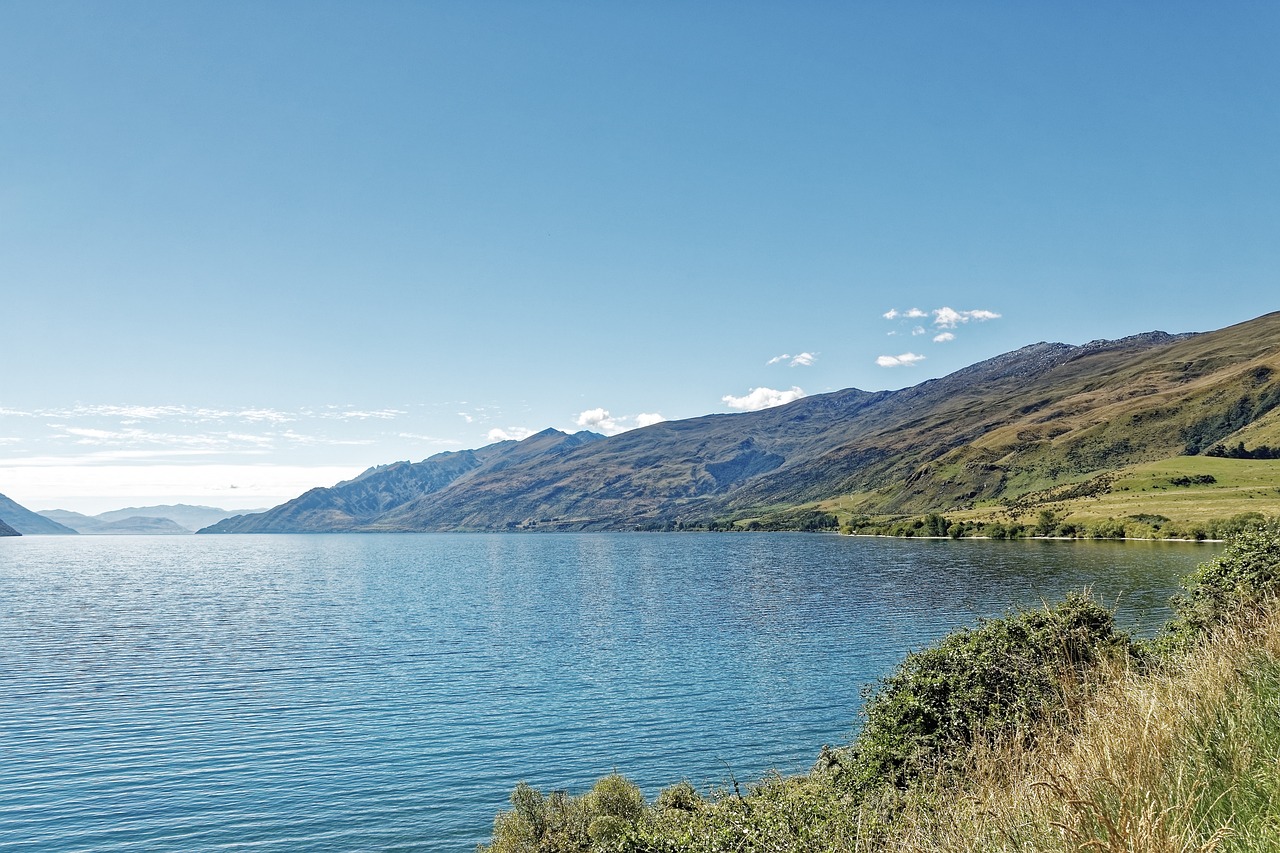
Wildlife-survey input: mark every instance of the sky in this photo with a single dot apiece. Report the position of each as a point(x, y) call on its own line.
point(247, 248)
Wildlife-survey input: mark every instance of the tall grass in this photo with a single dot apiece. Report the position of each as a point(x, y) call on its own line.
point(1185, 758)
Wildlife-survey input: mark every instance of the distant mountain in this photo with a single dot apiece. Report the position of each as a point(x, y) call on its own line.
point(29, 523)
point(186, 515)
point(167, 519)
point(6, 530)
point(123, 526)
point(1041, 416)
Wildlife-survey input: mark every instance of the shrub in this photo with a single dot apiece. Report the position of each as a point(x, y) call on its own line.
point(1007, 676)
point(1239, 581)
point(560, 823)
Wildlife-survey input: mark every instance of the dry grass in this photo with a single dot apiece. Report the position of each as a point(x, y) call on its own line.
point(1186, 759)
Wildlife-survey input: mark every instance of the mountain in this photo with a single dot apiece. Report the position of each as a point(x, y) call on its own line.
point(166, 519)
point(361, 502)
point(1035, 419)
point(27, 522)
point(112, 523)
point(6, 530)
point(188, 516)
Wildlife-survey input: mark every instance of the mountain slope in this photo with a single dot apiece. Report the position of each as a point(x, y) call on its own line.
point(359, 503)
point(6, 530)
point(29, 523)
point(1033, 419)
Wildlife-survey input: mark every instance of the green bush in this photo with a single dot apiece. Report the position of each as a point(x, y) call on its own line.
point(1005, 677)
point(1240, 580)
point(560, 823)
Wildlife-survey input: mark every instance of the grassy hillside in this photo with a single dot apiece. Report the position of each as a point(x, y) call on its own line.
point(1183, 488)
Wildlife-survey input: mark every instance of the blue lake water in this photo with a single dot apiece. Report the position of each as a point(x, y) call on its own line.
point(387, 692)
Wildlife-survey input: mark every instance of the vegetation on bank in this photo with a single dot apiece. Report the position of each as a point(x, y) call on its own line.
point(1042, 730)
point(1049, 524)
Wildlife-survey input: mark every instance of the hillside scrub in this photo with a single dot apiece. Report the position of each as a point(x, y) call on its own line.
point(1049, 526)
point(1045, 729)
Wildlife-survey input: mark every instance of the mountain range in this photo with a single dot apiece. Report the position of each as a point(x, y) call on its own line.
point(172, 519)
point(1040, 418)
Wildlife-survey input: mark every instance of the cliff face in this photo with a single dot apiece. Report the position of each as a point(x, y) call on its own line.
point(1043, 414)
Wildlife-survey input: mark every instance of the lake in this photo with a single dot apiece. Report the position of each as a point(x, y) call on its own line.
point(386, 692)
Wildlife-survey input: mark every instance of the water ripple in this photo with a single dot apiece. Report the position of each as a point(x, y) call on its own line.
point(385, 693)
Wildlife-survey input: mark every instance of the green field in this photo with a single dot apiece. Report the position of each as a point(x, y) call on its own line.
point(1179, 490)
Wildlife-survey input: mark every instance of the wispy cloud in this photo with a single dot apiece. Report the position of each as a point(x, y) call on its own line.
point(427, 439)
point(762, 398)
point(804, 359)
point(110, 457)
point(135, 437)
point(509, 434)
point(944, 318)
point(304, 440)
point(361, 414)
point(949, 318)
point(907, 359)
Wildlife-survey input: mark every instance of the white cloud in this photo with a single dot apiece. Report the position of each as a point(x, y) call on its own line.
point(804, 359)
point(361, 415)
point(509, 434)
point(907, 359)
point(645, 419)
point(891, 314)
point(949, 318)
point(429, 439)
point(135, 437)
point(466, 417)
point(918, 330)
point(599, 420)
point(915, 313)
point(762, 398)
point(303, 440)
point(943, 338)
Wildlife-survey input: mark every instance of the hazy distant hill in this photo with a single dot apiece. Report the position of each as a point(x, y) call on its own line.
point(6, 530)
point(29, 523)
point(128, 525)
point(166, 519)
point(190, 516)
point(1043, 415)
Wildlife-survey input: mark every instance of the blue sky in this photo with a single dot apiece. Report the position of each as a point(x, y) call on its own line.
point(248, 248)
